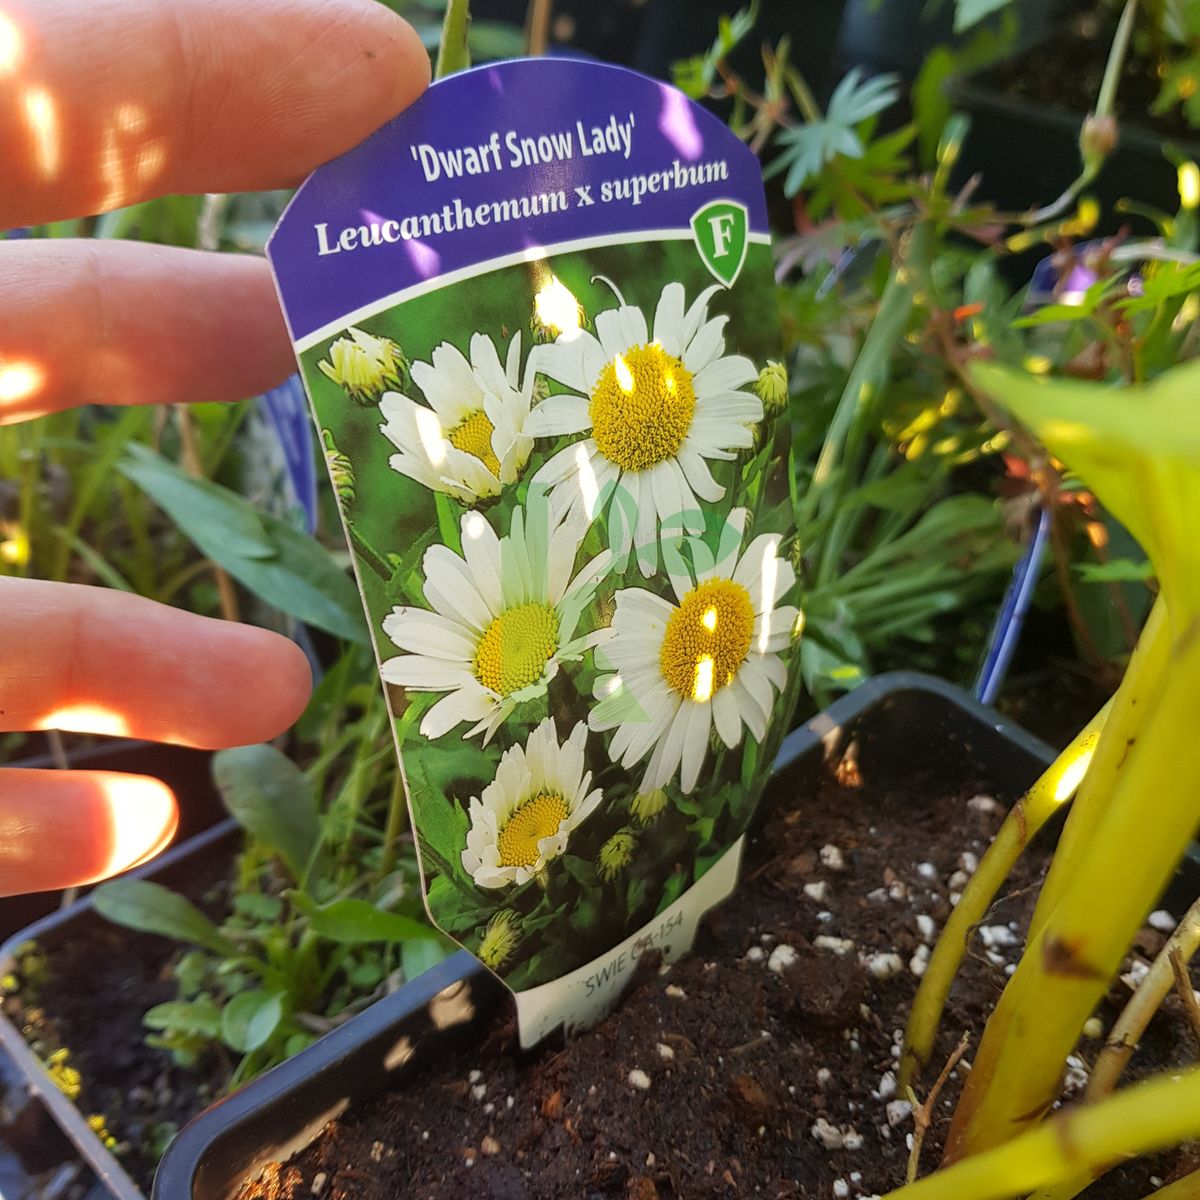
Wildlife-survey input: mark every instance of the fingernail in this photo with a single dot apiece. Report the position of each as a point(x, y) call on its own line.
point(144, 818)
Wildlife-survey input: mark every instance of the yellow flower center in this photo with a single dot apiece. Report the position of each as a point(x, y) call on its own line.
point(641, 407)
point(474, 436)
point(707, 639)
point(515, 648)
point(536, 818)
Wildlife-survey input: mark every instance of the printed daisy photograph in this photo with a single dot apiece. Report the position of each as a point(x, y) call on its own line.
point(564, 487)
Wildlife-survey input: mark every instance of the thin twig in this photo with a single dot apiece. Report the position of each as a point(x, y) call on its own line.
point(923, 1114)
point(537, 27)
point(1183, 985)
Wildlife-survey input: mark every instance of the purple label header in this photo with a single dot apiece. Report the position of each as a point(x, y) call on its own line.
point(502, 160)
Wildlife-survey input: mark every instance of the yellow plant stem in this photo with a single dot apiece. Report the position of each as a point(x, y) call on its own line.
point(1122, 869)
point(1142, 680)
point(1150, 1116)
point(1126, 1034)
point(1055, 787)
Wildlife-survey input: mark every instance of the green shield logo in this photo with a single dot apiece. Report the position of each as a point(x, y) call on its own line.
point(721, 230)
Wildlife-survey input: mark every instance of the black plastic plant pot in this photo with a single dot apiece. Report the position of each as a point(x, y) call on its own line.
point(899, 724)
point(172, 869)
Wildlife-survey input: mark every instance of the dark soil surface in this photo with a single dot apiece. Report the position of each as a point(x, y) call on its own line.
point(1065, 72)
point(97, 985)
point(763, 1065)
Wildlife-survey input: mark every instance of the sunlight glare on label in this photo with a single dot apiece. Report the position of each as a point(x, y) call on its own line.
point(624, 375)
point(709, 620)
point(474, 524)
point(587, 479)
point(429, 430)
point(702, 689)
point(557, 309)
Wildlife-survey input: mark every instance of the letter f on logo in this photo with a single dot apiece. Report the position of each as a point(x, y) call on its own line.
point(720, 230)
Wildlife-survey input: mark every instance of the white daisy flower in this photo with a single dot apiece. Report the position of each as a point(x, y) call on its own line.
point(471, 438)
point(504, 616)
point(654, 409)
point(526, 814)
point(712, 659)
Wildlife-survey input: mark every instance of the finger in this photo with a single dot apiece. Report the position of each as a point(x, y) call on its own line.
point(63, 828)
point(93, 322)
point(100, 661)
point(119, 100)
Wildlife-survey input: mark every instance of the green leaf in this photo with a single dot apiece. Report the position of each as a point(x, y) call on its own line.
point(270, 798)
point(1120, 570)
point(208, 505)
point(151, 908)
point(351, 921)
point(807, 148)
point(970, 12)
point(200, 1017)
point(417, 957)
point(278, 563)
point(250, 1018)
point(258, 907)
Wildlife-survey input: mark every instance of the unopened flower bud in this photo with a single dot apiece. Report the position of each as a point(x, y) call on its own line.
point(771, 387)
point(1098, 138)
point(365, 366)
point(646, 806)
point(500, 939)
point(616, 854)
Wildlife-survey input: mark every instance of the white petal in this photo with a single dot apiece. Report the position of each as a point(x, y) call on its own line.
point(725, 374)
point(611, 332)
point(727, 718)
point(426, 674)
point(466, 704)
point(695, 745)
point(450, 588)
point(423, 632)
point(699, 477)
point(647, 527)
point(698, 313)
point(668, 320)
point(665, 760)
point(481, 551)
point(449, 385)
point(562, 465)
point(490, 373)
point(633, 325)
point(575, 364)
point(706, 346)
point(557, 415)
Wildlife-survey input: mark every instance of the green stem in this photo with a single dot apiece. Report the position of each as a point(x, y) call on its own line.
point(1116, 60)
point(869, 368)
point(397, 817)
point(1105, 100)
point(453, 54)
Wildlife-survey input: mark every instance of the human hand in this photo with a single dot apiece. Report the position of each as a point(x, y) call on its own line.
point(101, 106)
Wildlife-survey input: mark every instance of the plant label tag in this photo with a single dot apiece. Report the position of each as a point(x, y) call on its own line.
point(536, 320)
